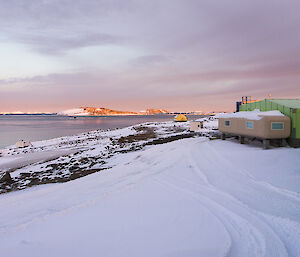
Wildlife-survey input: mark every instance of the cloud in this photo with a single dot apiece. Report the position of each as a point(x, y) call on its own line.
point(52, 45)
point(150, 60)
point(202, 27)
point(53, 27)
point(136, 89)
point(172, 48)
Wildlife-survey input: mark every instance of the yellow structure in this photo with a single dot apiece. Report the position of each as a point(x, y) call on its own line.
point(180, 118)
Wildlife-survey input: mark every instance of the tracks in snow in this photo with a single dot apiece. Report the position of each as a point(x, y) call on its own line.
point(259, 219)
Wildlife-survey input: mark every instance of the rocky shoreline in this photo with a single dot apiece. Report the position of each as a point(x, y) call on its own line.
point(90, 152)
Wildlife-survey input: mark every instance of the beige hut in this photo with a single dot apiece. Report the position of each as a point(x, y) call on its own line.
point(262, 125)
point(22, 144)
point(196, 125)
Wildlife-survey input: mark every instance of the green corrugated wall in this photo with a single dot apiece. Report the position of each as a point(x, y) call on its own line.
point(268, 105)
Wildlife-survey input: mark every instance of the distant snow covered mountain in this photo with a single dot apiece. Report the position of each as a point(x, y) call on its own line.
point(93, 111)
point(74, 112)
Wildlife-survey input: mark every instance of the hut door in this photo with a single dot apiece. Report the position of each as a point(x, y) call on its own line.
point(294, 133)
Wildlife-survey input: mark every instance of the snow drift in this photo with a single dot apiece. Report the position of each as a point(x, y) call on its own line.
point(192, 197)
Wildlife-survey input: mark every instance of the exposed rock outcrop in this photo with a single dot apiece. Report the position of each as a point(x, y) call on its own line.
point(5, 177)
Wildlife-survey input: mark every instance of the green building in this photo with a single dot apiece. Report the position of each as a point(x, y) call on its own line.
point(289, 107)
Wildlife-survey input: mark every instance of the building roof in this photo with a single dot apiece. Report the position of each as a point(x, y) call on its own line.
point(291, 103)
point(250, 115)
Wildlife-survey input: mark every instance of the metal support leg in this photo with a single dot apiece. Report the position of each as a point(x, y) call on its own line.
point(266, 144)
point(223, 136)
point(242, 139)
point(284, 142)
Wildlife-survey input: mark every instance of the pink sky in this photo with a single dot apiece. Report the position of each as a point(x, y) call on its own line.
point(138, 54)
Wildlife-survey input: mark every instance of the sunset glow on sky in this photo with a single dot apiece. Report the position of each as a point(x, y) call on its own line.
point(136, 54)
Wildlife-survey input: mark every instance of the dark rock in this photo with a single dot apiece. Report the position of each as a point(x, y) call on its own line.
point(34, 181)
point(5, 177)
point(25, 174)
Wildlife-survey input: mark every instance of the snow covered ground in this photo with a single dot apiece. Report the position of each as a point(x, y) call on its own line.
point(74, 112)
point(68, 158)
point(250, 115)
point(186, 198)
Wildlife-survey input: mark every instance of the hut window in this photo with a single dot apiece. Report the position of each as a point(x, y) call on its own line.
point(249, 124)
point(227, 123)
point(277, 125)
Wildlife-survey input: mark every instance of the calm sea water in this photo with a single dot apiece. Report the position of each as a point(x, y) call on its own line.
point(41, 127)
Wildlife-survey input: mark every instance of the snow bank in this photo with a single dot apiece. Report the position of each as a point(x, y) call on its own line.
point(192, 197)
point(74, 112)
point(250, 115)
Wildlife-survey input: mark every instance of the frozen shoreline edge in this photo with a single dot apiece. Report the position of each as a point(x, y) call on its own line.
point(67, 158)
